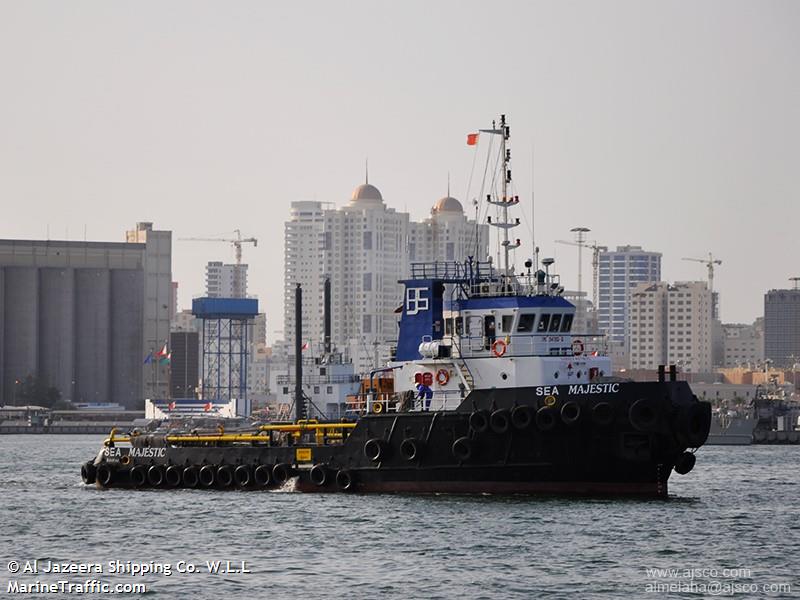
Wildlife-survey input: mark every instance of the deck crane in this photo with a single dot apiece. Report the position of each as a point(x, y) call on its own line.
point(237, 245)
point(596, 250)
point(709, 263)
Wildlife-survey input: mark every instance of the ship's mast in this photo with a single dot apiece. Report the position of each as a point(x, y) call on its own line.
point(505, 201)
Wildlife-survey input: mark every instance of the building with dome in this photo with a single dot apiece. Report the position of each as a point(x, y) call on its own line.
point(447, 235)
point(365, 247)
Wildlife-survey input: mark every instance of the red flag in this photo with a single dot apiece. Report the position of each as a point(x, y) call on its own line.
point(207, 406)
point(171, 406)
point(305, 347)
point(472, 139)
point(162, 352)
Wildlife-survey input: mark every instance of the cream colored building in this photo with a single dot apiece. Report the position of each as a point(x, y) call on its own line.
point(365, 247)
point(671, 324)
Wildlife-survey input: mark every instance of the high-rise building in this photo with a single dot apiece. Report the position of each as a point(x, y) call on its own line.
point(620, 271)
point(364, 248)
point(226, 281)
point(447, 235)
point(671, 324)
point(157, 301)
point(782, 327)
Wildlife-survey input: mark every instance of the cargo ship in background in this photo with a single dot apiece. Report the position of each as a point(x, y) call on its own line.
point(491, 391)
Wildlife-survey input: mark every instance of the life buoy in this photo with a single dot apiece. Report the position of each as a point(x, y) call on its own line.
point(577, 347)
point(442, 376)
point(498, 348)
point(377, 407)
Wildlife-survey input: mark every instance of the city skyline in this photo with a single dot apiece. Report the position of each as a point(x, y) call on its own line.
point(652, 125)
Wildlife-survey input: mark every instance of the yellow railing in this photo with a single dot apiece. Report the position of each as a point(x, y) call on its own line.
point(321, 431)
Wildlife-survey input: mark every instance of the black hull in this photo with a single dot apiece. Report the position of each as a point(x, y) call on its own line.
point(621, 440)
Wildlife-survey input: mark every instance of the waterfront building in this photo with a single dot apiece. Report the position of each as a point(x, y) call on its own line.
point(75, 315)
point(157, 301)
point(365, 248)
point(619, 272)
point(782, 327)
point(743, 345)
point(671, 324)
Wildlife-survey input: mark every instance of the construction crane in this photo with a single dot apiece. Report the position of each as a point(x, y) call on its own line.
point(596, 250)
point(237, 245)
point(709, 263)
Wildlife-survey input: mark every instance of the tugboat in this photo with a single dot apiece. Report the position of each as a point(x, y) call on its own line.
point(492, 392)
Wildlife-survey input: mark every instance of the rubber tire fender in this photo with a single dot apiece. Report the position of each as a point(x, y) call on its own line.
point(224, 476)
point(172, 476)
point(207, 476)
point(190, 477)
point(411, 448)
point(643, 415)
point(375, 449)
point(105, 475)
point(462, 449)
point(479, 421)
point(138, 476)
point(546, 419)
point(522, 417)
point(500, 421)
point(155, 475)
point(242, 476)
point(570, 413)
point(318, 475)
point(262, 475)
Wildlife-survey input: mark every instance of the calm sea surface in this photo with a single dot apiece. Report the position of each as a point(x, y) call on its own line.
point(730, 528)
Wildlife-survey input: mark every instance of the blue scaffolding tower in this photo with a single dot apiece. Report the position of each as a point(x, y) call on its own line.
point(225, 341)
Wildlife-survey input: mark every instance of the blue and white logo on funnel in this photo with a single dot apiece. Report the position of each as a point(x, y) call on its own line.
point(416, 300)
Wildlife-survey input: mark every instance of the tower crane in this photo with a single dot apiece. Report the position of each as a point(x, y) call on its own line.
point(709, 263)
point(596, 250)
point(237, 246)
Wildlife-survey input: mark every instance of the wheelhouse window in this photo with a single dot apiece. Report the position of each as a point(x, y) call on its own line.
point(508, 323)
point(526, 322)
point(459, 325)
point(544, 321)
point(555, 322)
point(566, 323)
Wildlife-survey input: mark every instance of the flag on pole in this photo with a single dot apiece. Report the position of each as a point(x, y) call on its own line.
point(472, 139)
point(162, 352)
point(305, 346)
point(149, 358)
point(165, 360)
point(171, 405)
point(207, 406)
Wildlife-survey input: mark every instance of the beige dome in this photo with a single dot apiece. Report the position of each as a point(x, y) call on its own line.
point(366, 191)
point(447, 204)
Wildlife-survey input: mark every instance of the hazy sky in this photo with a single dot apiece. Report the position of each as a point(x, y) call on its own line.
point(672, 125)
